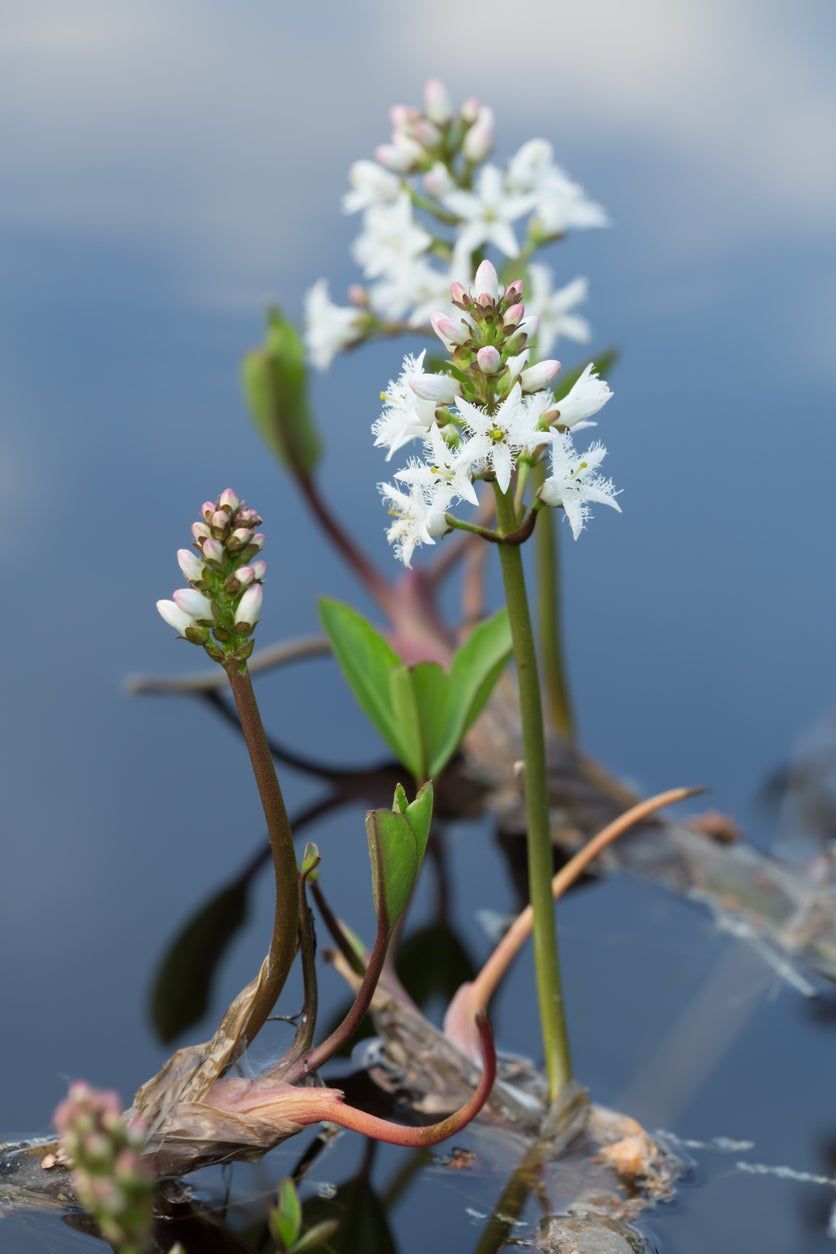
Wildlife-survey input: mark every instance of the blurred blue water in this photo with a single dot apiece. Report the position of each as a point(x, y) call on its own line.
point(165, 172)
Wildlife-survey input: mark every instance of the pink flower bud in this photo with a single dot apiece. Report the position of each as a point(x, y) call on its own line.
point(513, 316)
point(400, 115)
point(400, 156)
point(437, 102)
point(228, 500)
point(358, 295)
point(241, 536)
point(249, 607)
point(213, 550)
point(536, 377)
point(448, 330)
point(259, 570)
point(190, 564)
point(426, 132)
point(200, 531)
point(437, 181)
point(470, 109)
point(486, 282)
point(515, 290)
point(489, 359)
point(478, 141)
point(258, 539)
point(220, 518)
point(458, 291)
point(245, 575)
point(175, 617)
point(247, 518)
point(207, 509)
point(439, 388)
point(192, 602)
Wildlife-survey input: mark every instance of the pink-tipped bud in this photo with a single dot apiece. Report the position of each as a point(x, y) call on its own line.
point(489, 359)
point(240, 537)
point(358, 295)
point(192, 602)
point(400, 156)
point(437, 181)
point(536, 377)
point(458, 291)
point(515, 290)
point(449, 330)
point(258, 540)
point(470, 109)
point(207, 509)
point(513, 316)
point(228, 500)
point(437, 102)
point(213, 550)
point(244, 576)
point(259, 570)
point(190, 564)
point(220, 519)
point(400, 115)
point(200, 531)
point(439, 388)
point(249, 607)
point(247, 518)
point(478, 141)
point(171, 613)
point(426, 132)
point(486, 282)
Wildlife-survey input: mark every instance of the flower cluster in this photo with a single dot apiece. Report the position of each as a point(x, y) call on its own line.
point(222, 603)
point(431, 203)
point(109, 1175)
point(489, 412)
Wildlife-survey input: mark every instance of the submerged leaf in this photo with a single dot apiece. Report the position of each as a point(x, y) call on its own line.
point(183, 983)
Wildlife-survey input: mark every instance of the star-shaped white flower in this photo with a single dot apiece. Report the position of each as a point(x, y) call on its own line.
point(496, 440)
point(486, 215)
point(586, 396)
point(406, 415)
point(329, 328)
point(575, 483)
point(560, 203)
point(391, 238)
point(444, 471)
point(370, 185)
point(417, 518)
point(553, 308)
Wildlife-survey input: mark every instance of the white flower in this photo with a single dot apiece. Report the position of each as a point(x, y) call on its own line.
point(498, 439)
point(575, 483)
point(370, 185)
point(554, 308)
point(391, 238)
point(586, 396)
point(329, 328)
point(249, 607)
point(190, 564)
point(444, 471)
point(193, 603)
point(417, 518)
point(559, 203)
point(405, 416)
point(415, 289)
point(486, 215)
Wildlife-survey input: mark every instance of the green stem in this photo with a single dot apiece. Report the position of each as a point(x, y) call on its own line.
point(286, 918)
point(546, 965)
point(555, 679)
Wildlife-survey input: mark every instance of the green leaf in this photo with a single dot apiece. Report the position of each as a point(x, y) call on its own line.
point(286, 1217)
point(275, 382)
point(397, 843)
point(183, 982)
point(476, 667)
point(316, 1236)
point(367, 662)
point(408, 721)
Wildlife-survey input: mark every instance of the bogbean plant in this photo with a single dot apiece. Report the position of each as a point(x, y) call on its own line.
point(486, 412)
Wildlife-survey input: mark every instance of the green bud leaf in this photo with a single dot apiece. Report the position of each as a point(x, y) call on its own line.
point(318, 1235)
point(311, 859)
point(397, 844)
point(275, 382)
point(286, 1217)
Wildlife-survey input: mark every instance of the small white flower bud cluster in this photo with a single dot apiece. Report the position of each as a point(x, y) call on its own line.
point(490, 410)
point(431, 193)
point(112, 1180)
point(222, 603)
